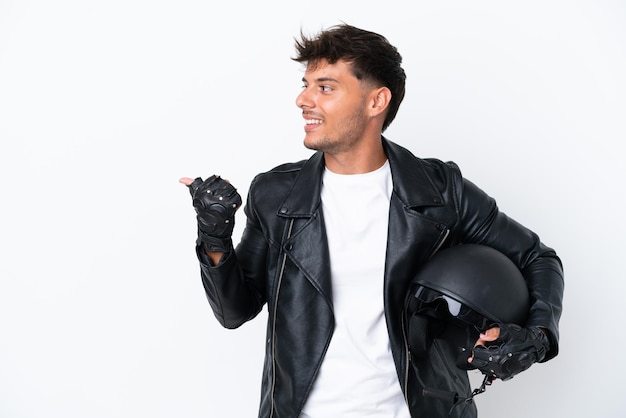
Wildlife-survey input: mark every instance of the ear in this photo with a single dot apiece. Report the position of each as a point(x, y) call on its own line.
point(379, 101)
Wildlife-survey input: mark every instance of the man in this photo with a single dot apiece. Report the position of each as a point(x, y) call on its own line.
point(332, 243)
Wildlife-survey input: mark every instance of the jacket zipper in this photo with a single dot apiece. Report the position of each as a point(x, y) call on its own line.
point(274, 309)
point(407, 353)
point(445, 236)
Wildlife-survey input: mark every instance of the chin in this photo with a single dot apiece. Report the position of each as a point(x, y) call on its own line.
point(311, 145)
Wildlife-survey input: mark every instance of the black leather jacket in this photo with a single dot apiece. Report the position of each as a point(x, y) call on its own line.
point(282, 260)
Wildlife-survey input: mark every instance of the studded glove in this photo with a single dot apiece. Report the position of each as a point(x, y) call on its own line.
point(215, 201)
point(515, 350)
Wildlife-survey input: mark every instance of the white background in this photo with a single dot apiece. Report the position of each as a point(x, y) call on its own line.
point(105, 104)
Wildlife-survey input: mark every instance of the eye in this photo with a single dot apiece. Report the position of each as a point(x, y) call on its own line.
point(326, 89)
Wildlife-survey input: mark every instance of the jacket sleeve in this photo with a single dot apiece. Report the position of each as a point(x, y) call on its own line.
point(235, 287)
point(481, 222)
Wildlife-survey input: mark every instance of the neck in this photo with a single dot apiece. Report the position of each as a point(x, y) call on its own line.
point(357, 161)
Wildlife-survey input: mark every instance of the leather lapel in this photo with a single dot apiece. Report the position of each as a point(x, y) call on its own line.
point(308, 250)
point(412, 237)
point(307, 247)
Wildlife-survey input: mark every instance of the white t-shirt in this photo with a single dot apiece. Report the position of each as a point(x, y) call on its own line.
point(358, 376)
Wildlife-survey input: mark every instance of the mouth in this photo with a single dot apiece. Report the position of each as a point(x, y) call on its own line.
point(310, 124)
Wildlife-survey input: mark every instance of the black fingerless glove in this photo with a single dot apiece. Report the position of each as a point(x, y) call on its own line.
point(215, 201)
point(515, 350)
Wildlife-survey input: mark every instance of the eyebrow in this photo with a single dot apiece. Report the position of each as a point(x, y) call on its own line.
point(322, 80)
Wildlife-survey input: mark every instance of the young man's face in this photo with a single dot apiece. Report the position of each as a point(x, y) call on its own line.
point(333, 104)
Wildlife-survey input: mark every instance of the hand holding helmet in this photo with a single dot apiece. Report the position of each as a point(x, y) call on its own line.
point(472, 298)
point(514, 350)
point(215, 201)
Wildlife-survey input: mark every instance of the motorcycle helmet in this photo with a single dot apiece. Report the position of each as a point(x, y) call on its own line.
point(460, 292)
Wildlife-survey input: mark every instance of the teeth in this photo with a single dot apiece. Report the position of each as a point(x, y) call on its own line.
point(313, 121)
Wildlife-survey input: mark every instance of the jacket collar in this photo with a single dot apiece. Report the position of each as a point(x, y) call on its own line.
point(410, 182)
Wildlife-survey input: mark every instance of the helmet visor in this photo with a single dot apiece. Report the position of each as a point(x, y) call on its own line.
point(432, 303)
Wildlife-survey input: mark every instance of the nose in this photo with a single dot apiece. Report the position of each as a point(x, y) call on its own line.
point(304, 99)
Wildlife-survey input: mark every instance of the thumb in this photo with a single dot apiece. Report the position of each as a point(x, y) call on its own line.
point(491, 334)
point(185, 180)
